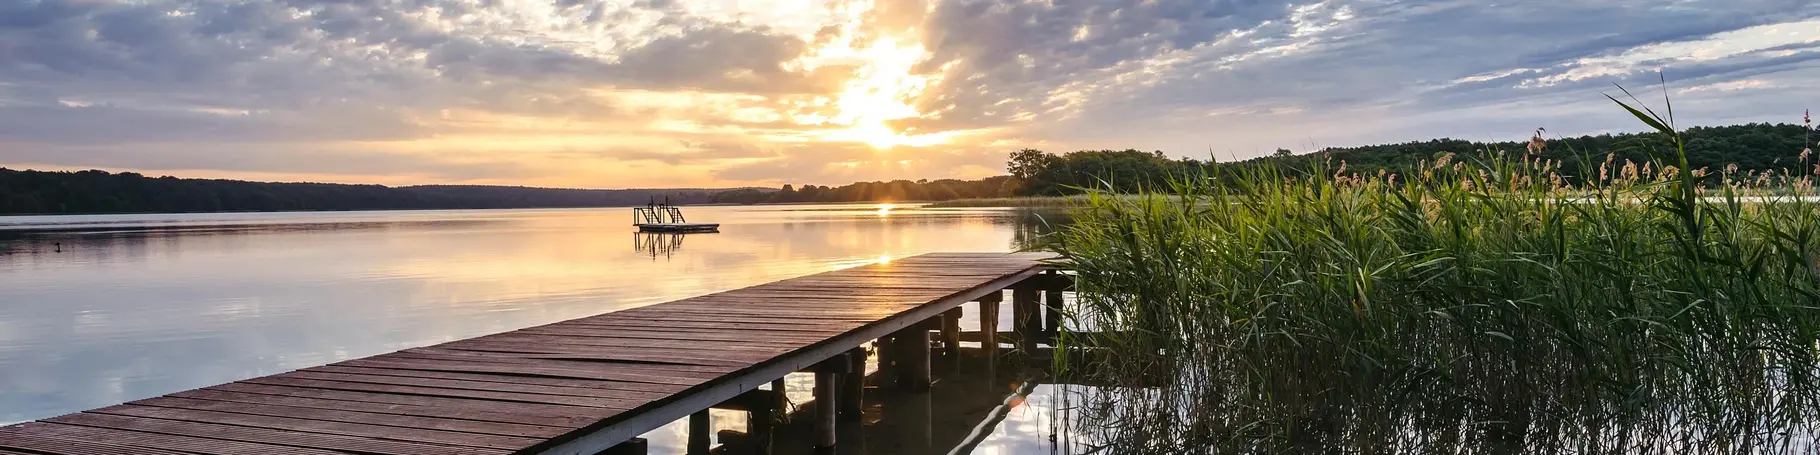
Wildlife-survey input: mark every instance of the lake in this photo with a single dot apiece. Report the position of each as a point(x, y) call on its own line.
point(101, 309)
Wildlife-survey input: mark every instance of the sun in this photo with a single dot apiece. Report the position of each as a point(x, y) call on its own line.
point(884, 89)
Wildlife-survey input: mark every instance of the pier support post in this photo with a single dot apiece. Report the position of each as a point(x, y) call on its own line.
point(825, 418)
point(1052, 314)
point(888, 358)
point(951, 334)
point(913, 364)
point(1023, 318)
point(853, 386)
point(700, 429)
point(989, 305)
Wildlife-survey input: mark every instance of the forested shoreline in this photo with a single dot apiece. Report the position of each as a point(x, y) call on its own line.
point(1758, 147)
point(39, 192)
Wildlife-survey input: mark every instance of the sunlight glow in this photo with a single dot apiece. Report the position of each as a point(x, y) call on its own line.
point(885, 209)
point(884, 259)
point(884, 86)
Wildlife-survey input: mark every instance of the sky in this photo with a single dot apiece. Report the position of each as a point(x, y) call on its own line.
point(722, 93)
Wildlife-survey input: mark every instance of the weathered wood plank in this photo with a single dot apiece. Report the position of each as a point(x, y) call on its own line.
point(265, 436)
point(419, 400)
point(362, 375)
point(447, 412)
point(155, 441)
point(339, 415)
point(36, 444)
point(632, 390)
point(590, 402)
point(308, 422)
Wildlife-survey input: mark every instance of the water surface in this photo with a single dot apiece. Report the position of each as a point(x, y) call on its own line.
point(99, 310)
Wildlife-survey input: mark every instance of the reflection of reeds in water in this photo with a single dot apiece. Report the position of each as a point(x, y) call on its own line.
point(656, 244)
point(1472, 306)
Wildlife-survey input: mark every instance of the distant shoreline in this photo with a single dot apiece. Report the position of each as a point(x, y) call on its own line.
point(1010, 202)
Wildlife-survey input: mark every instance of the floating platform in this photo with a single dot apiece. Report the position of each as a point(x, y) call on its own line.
point(591, 385)
point(664, 217)
point(678, 227)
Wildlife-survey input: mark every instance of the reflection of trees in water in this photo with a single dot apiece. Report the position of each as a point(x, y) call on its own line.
point(1033, 226)
point(657, 244)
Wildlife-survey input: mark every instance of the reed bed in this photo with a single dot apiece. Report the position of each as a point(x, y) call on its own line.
point(1479, 303)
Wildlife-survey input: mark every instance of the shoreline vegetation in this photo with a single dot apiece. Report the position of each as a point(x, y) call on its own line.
point(1481, 302)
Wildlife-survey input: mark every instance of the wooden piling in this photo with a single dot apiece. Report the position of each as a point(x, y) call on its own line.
point(989, 305)
point(700, 430)
point(1024, 306)
point(913, 366)
point(1052, 314)
point(853, 386)
point(951, 333)
point(825, 410)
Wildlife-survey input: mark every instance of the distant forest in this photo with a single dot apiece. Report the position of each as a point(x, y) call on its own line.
point(898, 190)
point(35, 192)
point(1756, 146)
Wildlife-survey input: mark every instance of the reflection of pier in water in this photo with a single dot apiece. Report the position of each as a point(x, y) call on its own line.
point(656, 244)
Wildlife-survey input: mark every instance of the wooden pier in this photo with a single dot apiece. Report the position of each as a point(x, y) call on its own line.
point(587, 386)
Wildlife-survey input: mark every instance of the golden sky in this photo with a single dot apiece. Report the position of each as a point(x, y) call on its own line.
point(718, 93)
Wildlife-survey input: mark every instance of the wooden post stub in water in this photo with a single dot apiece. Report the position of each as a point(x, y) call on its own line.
point(700, 429)
point(989, 305)
point(825, 410)
point(853, 386)
point(913, 366)
point(1023, 318)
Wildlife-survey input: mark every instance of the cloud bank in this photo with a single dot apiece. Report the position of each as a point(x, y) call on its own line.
point(729, 92)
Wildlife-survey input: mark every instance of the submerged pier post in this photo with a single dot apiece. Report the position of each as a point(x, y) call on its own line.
point(951, 334)
point(888, 359)
point(825, 411)
point(1023, 318)
point(853, 386)
point(989, 305)
point(762, 425)
point(700, 430)
point(913, 351)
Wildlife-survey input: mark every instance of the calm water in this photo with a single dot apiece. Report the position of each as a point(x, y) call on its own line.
point(99, 310)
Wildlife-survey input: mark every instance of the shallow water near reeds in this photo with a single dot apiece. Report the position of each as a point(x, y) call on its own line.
point(99, 310)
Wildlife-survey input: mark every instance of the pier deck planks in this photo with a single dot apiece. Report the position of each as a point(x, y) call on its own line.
point(554, 388)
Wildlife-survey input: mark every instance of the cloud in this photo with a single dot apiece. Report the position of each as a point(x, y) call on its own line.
point(592, 93)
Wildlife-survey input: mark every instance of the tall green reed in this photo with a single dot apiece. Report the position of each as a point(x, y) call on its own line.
point(1478, 303)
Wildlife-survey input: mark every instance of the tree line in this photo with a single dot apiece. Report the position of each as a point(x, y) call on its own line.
point(892, 191)
point(1751, 147)
point(39, 192)
point(1754, 146)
